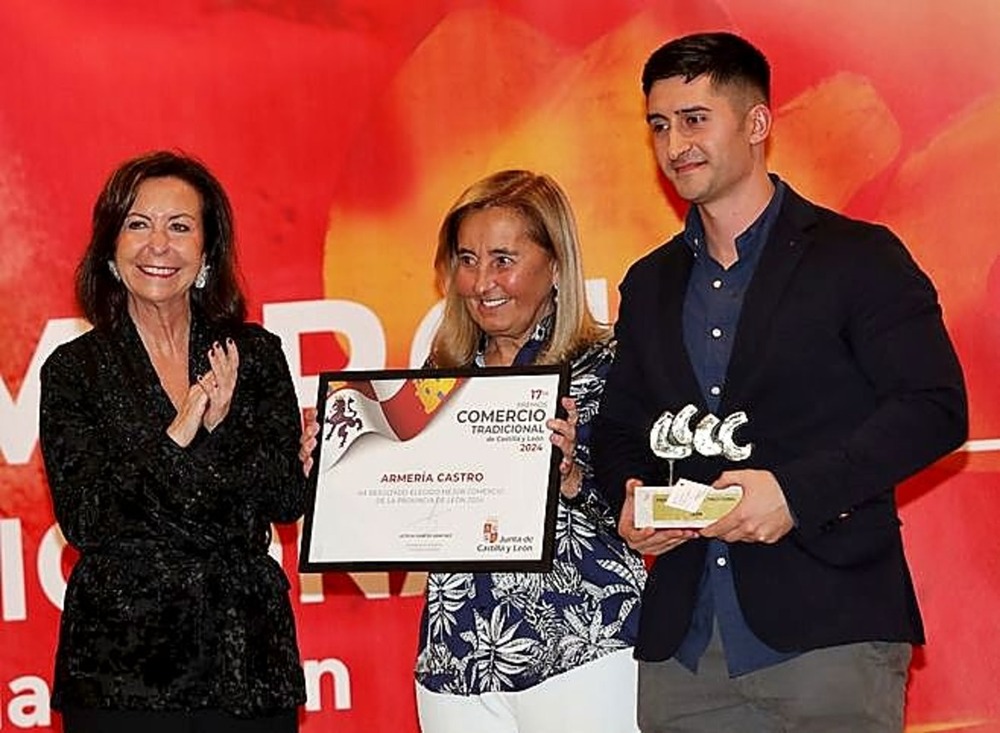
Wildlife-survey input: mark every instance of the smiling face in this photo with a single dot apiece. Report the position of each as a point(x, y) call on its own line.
point(708, 139)
point(504, 278)
point(160, 247)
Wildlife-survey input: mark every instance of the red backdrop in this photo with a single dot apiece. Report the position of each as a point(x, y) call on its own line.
point(344, 128)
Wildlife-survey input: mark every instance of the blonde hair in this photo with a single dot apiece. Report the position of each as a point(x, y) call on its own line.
point(548, 219)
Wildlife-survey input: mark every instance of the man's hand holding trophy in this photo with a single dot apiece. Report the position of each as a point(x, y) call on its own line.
point(687, 504)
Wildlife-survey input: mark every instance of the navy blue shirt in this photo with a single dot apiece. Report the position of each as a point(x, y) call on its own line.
point(712, 305)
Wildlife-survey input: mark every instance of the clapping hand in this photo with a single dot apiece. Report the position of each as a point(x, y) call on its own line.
point(219, 382)
point(185, 426)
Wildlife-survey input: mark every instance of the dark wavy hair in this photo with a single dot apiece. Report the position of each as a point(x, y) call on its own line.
point(726, 58)
point(104, 299)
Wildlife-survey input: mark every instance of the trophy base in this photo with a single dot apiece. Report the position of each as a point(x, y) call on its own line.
point(653, 507)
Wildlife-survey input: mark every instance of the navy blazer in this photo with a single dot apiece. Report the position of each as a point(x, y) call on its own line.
point(851, 384)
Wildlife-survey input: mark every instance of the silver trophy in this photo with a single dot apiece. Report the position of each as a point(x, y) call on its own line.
point(673, 438)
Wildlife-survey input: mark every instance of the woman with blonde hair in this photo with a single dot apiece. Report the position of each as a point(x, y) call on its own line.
point(530, 652)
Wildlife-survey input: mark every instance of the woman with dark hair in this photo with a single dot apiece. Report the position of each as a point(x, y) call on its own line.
point(169, 434)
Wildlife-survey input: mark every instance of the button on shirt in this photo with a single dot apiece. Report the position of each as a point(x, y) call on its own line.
point(712, 305)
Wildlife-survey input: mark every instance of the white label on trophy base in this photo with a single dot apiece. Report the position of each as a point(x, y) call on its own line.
point(688, 495)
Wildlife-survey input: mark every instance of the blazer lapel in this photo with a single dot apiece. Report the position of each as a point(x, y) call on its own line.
point(782, 253)
point(668, 342)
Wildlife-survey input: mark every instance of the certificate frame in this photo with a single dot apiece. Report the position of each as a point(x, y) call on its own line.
point(383, 492)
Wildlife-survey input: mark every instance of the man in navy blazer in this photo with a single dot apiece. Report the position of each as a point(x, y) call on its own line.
point(796, 610)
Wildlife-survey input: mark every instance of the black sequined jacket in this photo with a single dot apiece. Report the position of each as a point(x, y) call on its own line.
point(174, 603)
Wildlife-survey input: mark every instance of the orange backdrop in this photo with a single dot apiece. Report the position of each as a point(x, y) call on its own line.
point(344, 128)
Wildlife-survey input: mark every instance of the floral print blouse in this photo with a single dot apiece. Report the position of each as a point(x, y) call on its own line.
point(503, 632)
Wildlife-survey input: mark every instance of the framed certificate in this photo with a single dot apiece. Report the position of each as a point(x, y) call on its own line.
point(438, 470)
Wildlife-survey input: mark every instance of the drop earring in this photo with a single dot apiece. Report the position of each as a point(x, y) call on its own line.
point(113, 268)
point(201, 279)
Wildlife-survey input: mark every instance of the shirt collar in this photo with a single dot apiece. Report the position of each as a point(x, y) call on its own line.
point(694, 230)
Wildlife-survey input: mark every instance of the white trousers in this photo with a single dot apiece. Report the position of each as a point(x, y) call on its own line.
point(598, 697)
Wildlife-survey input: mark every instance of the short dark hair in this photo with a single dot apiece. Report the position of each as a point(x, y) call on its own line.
point(103, 298)
point(725, 57)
